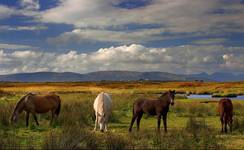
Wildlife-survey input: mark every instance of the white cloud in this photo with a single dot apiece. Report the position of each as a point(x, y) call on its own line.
point(210, 41)
point(30, 4)
point(5, 11)
point(14, 46)
point(78, 35)
point(93, 19)
point(25, 54)
point(175, 16)
point(22, 28)
point(180, 59)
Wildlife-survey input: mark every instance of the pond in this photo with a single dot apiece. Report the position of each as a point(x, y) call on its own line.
point(208, 96)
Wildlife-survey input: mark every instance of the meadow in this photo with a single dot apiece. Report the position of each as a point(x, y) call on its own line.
point(191, 124)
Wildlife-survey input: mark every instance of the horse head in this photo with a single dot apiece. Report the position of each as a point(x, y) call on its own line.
point(14, 117)
point(18, 109)
point(172, 96)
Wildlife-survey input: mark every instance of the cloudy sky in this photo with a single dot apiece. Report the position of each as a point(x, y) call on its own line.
point(177, 36)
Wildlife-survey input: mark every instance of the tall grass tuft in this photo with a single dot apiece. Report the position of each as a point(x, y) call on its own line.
point(5, 114)
point(238, 124)
point(76, 113)
point(118, 142)
point(73, 137)
point(9, 141)
point(201, 134)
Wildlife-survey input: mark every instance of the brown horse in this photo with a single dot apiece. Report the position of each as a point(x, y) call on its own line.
point(226, 113)
point(37, 103)
point(159, 107)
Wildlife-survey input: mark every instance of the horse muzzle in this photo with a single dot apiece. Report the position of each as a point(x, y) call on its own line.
point(13, 119)
point(172, 103)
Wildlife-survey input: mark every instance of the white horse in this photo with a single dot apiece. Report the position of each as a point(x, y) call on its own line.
point(103, 107)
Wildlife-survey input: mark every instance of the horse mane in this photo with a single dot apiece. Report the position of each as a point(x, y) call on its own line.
point(163, 95)
point(20, 101)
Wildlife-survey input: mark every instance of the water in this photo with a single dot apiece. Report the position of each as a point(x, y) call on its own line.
point(196, 96)
point(201, 96)
point(240, 97)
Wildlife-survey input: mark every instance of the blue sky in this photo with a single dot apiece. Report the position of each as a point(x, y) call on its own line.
point(177, 36)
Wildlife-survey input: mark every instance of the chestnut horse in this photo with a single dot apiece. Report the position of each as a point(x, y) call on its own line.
point(37, 103)
point(159, 107)
point(226, 113)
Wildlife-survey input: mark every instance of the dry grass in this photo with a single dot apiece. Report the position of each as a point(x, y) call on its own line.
point(127, 87)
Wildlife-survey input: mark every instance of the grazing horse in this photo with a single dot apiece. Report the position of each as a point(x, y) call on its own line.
point(102, 107)
point(159, 107)
point(226, 113)
point(37, 103)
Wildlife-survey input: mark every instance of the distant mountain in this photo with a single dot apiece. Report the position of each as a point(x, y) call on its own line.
point(116, 76)
point(132, 75)
point(42, 77)
point(219, 76)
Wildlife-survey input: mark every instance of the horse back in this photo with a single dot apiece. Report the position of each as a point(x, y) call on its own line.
point(44, 103)
point(225, 107)
point(102, 103)
point(149, 106)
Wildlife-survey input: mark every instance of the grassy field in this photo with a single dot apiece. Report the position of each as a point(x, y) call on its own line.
point(191, 124)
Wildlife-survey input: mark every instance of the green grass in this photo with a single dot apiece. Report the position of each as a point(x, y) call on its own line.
point(191, 124)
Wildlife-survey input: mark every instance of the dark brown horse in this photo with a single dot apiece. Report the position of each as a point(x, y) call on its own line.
point(226, 113)
point(159, 107)
point(37, 103)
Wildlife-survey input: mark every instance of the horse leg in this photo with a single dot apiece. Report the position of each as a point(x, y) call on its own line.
point(96, 121)
point(225, 121)
point(52, 116)
point(159, 121)
point(165, 122)
point(132, 121)
point(138, 120)
point(34, 115)
point(230, 124)
point(106, 123)
point(102, 126)
point(106, 128)
point(27, 118)
point(222, 123)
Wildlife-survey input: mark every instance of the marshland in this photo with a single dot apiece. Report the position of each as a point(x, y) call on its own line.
point(191, 124)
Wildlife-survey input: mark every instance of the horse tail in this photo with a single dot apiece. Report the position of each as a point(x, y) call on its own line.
point(57, 111)
point(133, 109)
